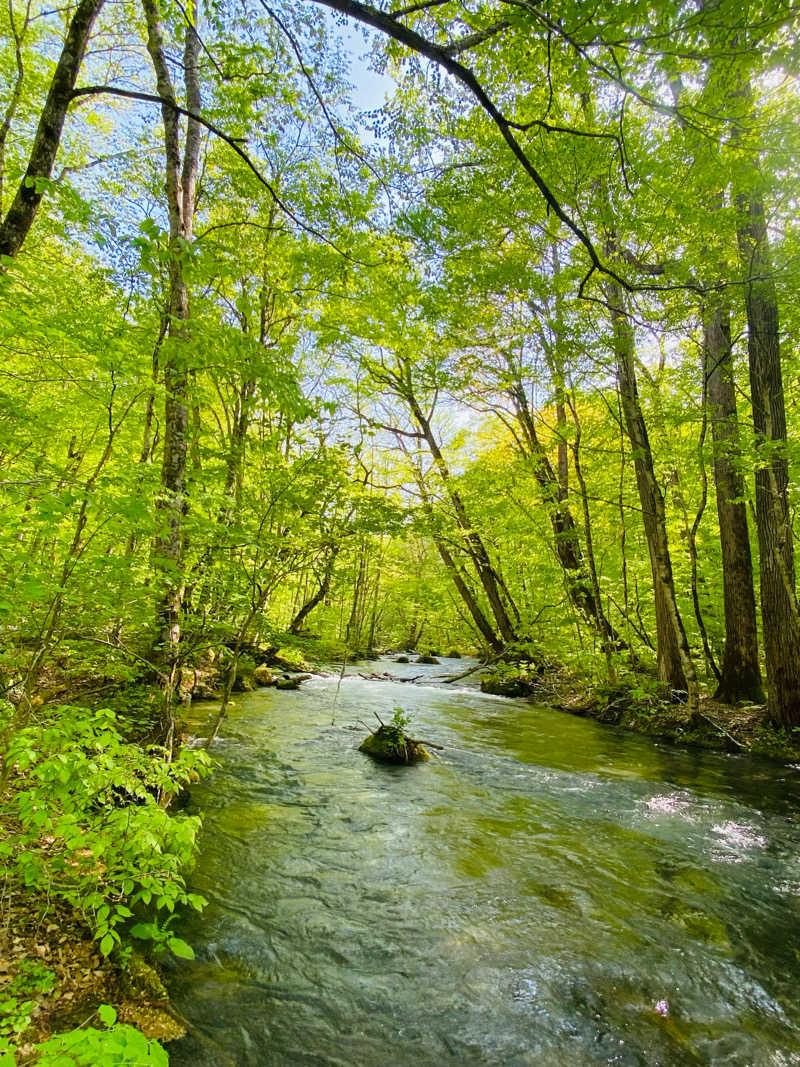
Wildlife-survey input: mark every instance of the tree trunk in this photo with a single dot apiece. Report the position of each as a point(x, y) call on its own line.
point(741, 673)
point(20, 216)
point(675, 666)
point(180, 190)
point(779, 611)
point(472, 540)
point(482, 624)
point(322, 591)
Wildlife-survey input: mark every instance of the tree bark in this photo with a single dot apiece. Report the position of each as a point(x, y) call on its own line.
point(473, 541)
point(740, 670)
point(482, 624)
point(779, 611)
point(675, 665)
point(20, 216)
point(566, 539)
point(322, 591)
point(180, 189)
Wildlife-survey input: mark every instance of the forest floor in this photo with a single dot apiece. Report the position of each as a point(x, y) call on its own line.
point(53, 979)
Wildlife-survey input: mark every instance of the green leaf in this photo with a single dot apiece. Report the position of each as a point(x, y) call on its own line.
point(108, 1015)
point(107, 944)
point(180, 948)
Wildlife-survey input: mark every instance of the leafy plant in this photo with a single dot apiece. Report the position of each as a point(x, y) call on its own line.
point(117, 1045)
point(92, 830)
point(19, 998)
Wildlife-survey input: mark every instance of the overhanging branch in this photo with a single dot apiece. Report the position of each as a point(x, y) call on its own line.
point(387, 24)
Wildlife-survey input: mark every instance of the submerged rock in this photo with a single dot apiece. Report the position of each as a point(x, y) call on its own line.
point(390, 745)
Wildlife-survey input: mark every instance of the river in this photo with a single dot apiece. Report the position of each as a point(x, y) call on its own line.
point(550, 891)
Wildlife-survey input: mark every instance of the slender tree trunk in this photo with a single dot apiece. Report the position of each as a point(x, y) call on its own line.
point(566, 539)
point(18, 32)
point(741, 673)
point(21, 214)
point(180, 190)
point(373, 621)
point(482, 624)
point(609, 639)
point(473, 541)
point(675, 666)
point(352, 634)
point(322, 591)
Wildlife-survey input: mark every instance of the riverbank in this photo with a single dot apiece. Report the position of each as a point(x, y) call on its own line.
point(94, 868)
point(640, 706)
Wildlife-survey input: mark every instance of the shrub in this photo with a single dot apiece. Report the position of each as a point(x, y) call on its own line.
point(91, 828)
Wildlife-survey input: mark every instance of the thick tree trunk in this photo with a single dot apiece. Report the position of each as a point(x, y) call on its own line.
point(779, 611)
point(741, 673)
point(20, 216)
point(675, 666)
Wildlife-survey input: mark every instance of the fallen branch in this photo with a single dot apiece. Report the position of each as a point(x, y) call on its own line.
point(447, 679)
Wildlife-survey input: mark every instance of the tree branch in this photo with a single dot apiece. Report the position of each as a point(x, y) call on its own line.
point(233, 142)
point(386, 24)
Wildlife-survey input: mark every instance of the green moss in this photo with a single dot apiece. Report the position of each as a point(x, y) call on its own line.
point(141, 979)
point(390, 745)
point(508, 682)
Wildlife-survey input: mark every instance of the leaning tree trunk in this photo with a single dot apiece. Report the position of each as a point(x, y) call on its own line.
point(779, 611)
point(476, 549)
point(740, 670)
point(20, 216)
point(566, 539)
point(482, 624)
point(675, 665)
point(316, 598)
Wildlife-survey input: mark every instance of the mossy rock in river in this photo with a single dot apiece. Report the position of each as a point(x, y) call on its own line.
point(263, 675)
point(429, 658)
point(454, 654)
point(509, 684)
point(287, 683)
point(390, 745)
point(402, 659)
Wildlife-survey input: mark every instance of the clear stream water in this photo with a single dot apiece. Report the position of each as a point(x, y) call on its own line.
point(550, 891)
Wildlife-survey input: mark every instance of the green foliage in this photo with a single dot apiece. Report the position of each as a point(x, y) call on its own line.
point(117, 1045)
point(400, 721)
point(17, 1000)
point(92, 830)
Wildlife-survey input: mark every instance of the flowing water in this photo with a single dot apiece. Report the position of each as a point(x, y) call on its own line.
point(550, 891)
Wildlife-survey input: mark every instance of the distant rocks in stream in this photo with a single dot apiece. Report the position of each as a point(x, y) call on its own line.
point(265, 677)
